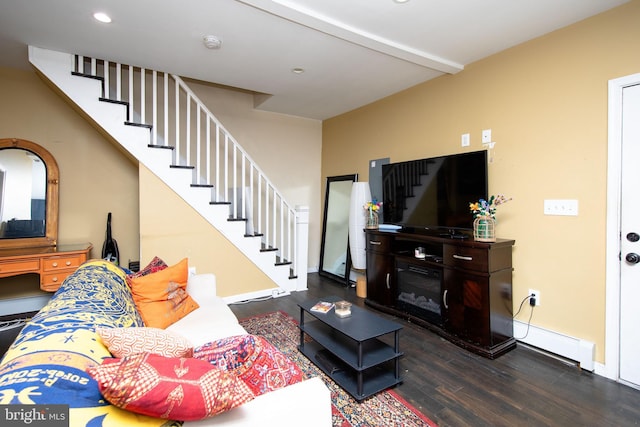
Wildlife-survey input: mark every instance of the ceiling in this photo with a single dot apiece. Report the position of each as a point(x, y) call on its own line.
point(353, 52)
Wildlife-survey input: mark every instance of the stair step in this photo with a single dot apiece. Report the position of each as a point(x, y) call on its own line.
point(116, 102)
point(90, 76)
point(181, 167)
point(140, 125)
point(231, 219)
point(202, 185)
point(166, 147)
point(113, 101)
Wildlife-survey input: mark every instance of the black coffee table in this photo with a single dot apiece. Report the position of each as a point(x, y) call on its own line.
point(348, 349)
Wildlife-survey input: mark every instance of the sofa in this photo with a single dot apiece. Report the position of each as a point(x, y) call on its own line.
point(61, 353)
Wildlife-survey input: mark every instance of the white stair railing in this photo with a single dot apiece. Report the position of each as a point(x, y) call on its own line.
point(179, 121)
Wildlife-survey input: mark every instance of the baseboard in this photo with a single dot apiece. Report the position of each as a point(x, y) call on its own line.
point(576, 349)
point(257, 295)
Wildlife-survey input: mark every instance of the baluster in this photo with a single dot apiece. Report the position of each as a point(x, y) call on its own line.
point(118, 81)
point(177, 141)
point(143, 95)
point(131, 101)
point(165, 85)
point(154, 104)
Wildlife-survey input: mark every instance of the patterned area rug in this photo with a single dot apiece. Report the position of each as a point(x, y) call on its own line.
point(383, 409)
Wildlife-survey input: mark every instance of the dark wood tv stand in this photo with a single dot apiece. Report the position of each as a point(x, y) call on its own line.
point(475, 302)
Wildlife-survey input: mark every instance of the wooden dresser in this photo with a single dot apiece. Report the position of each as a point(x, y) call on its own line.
point(52, 263)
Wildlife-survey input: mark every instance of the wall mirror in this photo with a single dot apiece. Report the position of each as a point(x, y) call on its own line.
point(334, 252)
point(28, 195)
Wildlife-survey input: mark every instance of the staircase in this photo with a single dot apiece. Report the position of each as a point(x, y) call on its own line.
point(157, 119)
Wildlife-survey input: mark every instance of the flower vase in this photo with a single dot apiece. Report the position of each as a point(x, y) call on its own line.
point(484, 229)
point(372, 220)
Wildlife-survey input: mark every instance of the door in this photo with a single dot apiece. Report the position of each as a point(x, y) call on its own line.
point(630, 238)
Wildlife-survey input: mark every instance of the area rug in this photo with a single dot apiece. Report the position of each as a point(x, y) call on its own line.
point(386, 408)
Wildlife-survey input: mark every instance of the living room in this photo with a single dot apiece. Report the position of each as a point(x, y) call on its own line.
point(545, 101)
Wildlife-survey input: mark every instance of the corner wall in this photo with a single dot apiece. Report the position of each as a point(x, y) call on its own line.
point(546, 103)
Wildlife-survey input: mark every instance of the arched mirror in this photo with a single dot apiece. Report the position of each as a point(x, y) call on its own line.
point(28, 195)
point(334, 252)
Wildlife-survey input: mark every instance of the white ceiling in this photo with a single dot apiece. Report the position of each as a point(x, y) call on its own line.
point(353, 52)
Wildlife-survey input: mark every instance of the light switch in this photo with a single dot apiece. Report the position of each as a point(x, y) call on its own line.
point(486, 136)
point(561, 207)
point(465, 140)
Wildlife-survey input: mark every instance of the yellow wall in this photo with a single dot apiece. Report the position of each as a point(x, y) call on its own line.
point(95, 177)
point(190, 236)
point(546, 103)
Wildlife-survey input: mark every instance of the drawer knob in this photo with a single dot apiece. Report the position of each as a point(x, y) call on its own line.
point(68, 263)
point(464, 258)
point(55, 264)
point(55, 279)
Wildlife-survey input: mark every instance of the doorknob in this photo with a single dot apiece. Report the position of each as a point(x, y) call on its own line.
point(632, 258)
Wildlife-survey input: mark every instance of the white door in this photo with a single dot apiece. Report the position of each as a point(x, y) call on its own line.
point(630, 238)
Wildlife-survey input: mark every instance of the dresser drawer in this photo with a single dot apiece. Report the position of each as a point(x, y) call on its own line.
point(20, 265)
point(378, 243)
point(476, 259)
point(63, 262)
point(50, 282)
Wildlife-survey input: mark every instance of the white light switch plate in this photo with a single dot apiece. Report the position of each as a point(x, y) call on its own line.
point(562, 207)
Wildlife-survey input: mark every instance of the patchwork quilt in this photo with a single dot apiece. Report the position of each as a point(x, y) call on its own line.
point(47, 362)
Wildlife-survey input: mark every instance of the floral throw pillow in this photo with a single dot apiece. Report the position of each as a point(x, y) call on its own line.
point(155, 265)
point(123, 342)
point(253, 359)
point(173, 388)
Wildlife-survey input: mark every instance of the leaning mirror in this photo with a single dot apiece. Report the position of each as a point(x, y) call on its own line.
point(28, 195)
point(334, 252)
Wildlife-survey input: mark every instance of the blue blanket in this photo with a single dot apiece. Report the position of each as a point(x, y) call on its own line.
point(47, 362)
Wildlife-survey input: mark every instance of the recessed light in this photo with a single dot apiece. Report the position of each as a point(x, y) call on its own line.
point(102, 17)
point(401, 1)
point(297, 70)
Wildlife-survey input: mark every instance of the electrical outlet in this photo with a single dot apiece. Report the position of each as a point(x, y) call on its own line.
point(536, 296)
point(277, 293)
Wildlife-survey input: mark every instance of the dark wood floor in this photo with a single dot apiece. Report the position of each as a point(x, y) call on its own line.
point(456, 388)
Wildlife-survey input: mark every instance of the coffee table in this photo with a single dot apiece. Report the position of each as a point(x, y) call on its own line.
point(349, 350)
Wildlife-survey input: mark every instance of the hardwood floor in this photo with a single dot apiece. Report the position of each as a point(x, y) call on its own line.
point(456, 388)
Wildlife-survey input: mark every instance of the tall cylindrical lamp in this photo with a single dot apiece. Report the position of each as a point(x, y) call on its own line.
point(360, 194)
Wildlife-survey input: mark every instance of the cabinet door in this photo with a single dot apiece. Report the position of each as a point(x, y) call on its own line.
point(466, 306)
point(380, 279)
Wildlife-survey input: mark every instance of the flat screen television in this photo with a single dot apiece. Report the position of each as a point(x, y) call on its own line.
point(433, 195)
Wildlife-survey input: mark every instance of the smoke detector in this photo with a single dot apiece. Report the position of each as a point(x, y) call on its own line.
point(212, 42)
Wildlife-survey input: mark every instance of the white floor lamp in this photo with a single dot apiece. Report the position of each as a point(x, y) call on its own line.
point(360, 194)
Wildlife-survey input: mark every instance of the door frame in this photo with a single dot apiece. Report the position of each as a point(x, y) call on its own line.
point(613, 226)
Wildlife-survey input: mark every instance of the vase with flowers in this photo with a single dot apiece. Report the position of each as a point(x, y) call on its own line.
point(371, 211)
point(484, 224)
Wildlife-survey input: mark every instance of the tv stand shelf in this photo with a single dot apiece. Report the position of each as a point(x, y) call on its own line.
point(473, 305)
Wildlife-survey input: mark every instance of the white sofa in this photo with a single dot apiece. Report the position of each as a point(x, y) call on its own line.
point(306, 403)
point(48, 361)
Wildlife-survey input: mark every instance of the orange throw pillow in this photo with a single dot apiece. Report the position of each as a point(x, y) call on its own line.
point(161, 297)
